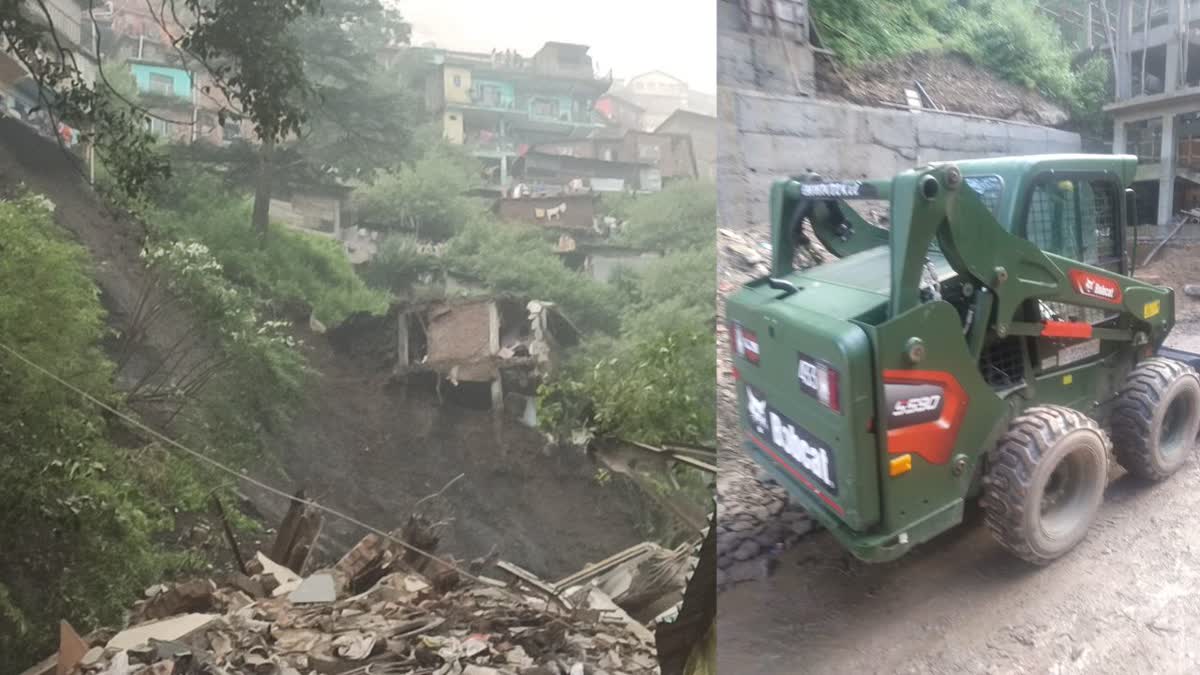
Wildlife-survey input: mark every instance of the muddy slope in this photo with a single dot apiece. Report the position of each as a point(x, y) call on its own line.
point(359, 445)
point(375, 448)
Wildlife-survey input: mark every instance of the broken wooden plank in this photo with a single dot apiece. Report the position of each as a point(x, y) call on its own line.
point(533, 581)
point(307, 528)
point(1154, 251)
point(175, 628)
point(593, 570)
point(71, 648)
point(284, 539)
point(229, 536)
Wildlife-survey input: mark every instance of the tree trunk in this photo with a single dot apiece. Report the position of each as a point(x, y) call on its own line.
point(263, 187)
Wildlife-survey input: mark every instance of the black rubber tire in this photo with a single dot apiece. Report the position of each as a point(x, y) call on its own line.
point(1137, 421)
point(1021, 466)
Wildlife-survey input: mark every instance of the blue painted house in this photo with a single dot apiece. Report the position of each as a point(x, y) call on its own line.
point(162, 80)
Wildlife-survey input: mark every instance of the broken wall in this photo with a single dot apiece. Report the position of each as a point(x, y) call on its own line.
point(766, 137)
point(466, 335)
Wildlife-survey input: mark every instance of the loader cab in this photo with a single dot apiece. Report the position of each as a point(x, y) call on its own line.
point(1075, 207)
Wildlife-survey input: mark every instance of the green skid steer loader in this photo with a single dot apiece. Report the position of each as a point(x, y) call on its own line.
point(990, 342)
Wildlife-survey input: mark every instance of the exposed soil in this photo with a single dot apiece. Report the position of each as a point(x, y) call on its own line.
point(951, 80)
point(1127, 600)
point(359, 445)
point(374, 449)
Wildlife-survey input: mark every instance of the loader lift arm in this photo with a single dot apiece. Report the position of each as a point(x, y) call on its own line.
point(934, 209)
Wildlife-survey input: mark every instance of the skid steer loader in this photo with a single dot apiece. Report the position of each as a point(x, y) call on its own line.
point(989, 342)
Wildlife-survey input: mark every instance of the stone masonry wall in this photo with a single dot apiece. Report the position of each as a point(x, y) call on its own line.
point(766, 137)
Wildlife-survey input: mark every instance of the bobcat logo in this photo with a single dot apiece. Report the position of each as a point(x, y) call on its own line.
point(757, 409)
point(1095, 286)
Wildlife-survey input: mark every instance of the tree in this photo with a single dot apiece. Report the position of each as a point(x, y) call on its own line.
point(246, 46)
point(357, 117)
point(517, 258)
point(682, 216)
point(77, 520)
point(426, 197)
point(361, 115)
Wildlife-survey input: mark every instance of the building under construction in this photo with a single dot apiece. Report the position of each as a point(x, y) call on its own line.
point(1156, 114)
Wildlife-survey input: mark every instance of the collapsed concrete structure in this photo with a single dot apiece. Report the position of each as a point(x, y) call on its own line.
point(485, 352)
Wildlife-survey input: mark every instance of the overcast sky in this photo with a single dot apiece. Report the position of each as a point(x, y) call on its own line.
point(628, 36)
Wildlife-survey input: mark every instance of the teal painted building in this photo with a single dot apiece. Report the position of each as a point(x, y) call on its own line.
point(162, 80)
point(493, 93)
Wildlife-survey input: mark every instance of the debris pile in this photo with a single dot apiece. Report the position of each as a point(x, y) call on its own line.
point(381, 609)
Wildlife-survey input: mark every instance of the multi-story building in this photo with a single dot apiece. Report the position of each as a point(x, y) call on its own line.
point(178, 94)
point(702, 130)
point(671, 154)
point(500, 104)
point(660, 94)
point(620, 114)
point(73, 30)
point(1156, 114)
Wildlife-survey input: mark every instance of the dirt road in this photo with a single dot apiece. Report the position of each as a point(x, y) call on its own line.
point(1126, 601)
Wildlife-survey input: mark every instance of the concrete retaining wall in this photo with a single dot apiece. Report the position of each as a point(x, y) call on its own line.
point(764, 137)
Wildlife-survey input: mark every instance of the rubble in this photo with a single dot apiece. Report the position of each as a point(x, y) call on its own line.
point(416, 615)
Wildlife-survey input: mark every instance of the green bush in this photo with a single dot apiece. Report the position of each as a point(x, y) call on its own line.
point(1015, 42)
point(860, 31)
point(517, 258)
point(652, 386)
point(286, 266)
point(245, 377)
point(399, 264)
point(682, 216)
point(78, 518)
point(427, 198)
point(654, 382)
point(1008, 37)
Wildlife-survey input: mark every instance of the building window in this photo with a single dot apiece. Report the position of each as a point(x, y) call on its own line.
point(458, 82)
point(489, 95)
point(162, 84)
point(231, 131)
point(1144, 139)
point(157, 126)
point(648, 152)
point(544, 107)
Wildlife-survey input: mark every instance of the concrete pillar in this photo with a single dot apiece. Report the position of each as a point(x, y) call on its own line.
point(1088, 30)
point(497, 396)
point(1119, 140)
point(1171, 76)
point(494, 328)
point(1124, 74)
point(1166, 178)
point(503, 170)
point(402, 357)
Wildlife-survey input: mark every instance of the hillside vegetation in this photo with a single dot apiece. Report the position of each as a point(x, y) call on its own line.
point(1010, 38)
